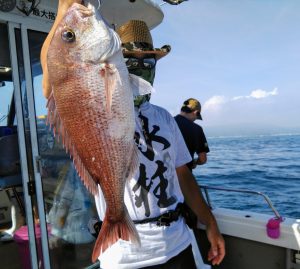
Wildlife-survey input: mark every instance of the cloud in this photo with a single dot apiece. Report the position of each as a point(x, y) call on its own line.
point(215, 102)
point(257, 94)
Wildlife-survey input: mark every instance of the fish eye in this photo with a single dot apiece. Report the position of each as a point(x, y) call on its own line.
point(68, 35)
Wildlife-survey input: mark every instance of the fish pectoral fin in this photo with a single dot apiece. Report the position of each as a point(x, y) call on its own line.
point(111, 76)
point(139, 86)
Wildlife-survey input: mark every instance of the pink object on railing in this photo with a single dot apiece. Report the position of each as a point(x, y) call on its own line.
point(273, 227)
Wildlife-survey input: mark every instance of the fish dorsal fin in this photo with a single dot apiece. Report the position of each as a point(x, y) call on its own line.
point(54, 120)
point(139, 85)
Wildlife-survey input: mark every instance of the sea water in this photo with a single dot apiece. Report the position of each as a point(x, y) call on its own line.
point(269, 164)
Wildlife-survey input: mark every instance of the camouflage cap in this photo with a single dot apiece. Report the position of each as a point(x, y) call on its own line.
point(191, 105)
point(136, 39)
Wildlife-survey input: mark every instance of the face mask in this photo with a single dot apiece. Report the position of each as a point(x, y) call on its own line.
point(138, 100)
point(146, 74)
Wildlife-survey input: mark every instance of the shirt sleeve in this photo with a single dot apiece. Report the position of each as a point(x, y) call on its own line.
point(183, 155)
point(202, 142)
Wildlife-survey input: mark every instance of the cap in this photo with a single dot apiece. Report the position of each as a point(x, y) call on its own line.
point(136, 39)
point(191, 105)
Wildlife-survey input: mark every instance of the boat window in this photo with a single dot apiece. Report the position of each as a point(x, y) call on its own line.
point(6, 97)
point(12, 212)
point(6, 85)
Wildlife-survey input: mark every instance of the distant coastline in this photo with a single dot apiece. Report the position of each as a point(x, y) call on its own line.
point(252, 135)
point(248, 130)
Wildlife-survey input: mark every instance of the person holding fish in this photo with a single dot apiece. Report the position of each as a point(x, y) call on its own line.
point(129, 153)
point(163, 181)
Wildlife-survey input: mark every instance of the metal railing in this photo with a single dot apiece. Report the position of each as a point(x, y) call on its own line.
point(266, 198)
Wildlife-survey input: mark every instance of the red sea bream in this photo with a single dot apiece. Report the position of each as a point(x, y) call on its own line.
point(91, 109)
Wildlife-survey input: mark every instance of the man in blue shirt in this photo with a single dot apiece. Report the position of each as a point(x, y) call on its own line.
point(193, 134)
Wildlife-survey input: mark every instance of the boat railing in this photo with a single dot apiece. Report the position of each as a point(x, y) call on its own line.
point(205, 188)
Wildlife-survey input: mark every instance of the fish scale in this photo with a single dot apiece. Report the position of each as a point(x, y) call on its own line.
point(91, 109)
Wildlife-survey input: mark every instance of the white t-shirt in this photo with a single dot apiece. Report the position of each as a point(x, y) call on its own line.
point(151, 192)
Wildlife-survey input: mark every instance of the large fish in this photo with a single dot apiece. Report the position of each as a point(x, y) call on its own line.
point(91, 108)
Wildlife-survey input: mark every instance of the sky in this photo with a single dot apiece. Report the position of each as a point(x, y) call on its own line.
point(240, 59)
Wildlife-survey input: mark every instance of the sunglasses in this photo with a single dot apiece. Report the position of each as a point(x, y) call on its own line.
point(147, 63)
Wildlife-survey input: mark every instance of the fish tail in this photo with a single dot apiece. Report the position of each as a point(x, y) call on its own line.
point(112, 231)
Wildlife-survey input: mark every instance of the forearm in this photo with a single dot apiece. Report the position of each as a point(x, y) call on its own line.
point(193, 196)
point(196, 202)
point(194, 199)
